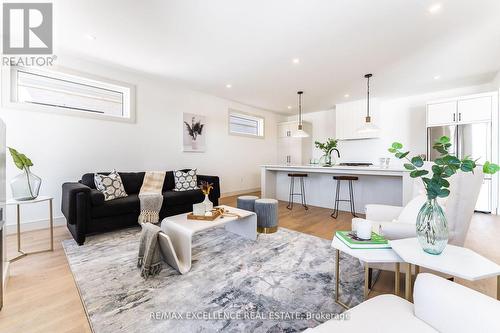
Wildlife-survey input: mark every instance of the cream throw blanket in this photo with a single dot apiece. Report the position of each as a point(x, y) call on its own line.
point(150, 197)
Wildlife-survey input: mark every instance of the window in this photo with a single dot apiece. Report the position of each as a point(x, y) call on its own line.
point(57, 91)
point(245, 124)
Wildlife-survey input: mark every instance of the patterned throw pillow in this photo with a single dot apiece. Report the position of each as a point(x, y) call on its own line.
point(185, 181)
point(110, 185)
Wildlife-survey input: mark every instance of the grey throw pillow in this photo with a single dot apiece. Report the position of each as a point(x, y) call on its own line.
point(185, 181)
point(110, 185)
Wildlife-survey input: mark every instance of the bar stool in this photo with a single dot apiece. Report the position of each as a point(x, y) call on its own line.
point(335, 213)
point(302, 193)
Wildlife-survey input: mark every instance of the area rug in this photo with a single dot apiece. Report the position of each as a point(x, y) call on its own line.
point(283, 282)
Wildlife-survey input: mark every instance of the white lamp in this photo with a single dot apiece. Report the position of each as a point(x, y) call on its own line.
point(300, 133)
point(368, 127)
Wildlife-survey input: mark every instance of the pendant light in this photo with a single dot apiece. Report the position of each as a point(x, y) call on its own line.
point(300, 133)
point(368, 127)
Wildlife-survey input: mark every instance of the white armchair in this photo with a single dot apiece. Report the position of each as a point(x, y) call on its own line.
point(399, 222)
point(439, 306)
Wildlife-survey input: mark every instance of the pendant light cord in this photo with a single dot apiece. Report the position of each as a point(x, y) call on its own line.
point(368, 96)
point(300, 106)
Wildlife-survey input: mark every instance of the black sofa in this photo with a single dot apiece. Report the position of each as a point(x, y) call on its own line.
point(87, 213)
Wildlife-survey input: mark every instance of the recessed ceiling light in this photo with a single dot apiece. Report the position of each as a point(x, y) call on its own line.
point(435, 8)
point(90, 37)
point(347, 96)
point(437, 77)
point(289, 107)
point(229, 85)
point(296, 60)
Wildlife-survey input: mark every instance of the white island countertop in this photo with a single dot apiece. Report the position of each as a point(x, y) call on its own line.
point(359, 170)
point(376, 184)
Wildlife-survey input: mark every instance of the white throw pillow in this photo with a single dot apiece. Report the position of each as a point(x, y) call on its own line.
point(110, 185)
point(185, 181)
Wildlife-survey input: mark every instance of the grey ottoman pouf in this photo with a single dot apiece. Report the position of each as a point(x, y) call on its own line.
point(247, 202)
point(267, 215)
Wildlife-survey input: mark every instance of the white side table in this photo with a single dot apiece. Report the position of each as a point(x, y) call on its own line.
point(455, 261)
point(368, 256)
point(18, 214)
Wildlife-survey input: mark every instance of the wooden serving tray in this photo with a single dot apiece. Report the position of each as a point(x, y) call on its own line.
point(215, 215)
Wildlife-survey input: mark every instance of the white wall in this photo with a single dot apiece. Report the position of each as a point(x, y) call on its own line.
point(400, 119)
point(64, 147)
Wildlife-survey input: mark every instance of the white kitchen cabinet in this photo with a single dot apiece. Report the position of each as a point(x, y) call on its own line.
point(350, 116)
point(441, 113)
point(291, 150)
point(475, 109)
point(462, 110)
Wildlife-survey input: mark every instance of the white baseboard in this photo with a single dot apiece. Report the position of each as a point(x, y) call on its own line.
point(231, 194)
point(34, 225)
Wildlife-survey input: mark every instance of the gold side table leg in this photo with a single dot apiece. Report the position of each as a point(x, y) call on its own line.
point(18, 215)
point(337, 280)
point(498, 287)
point(367, 280)
point(51, 226)
point(408, 283)
point(396, 279)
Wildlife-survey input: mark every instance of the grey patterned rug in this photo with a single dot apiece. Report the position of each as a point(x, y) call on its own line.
point(283, 282)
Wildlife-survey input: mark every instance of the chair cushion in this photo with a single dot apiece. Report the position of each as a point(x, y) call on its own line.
point(410, 211)
point(176, 198)
point(120, 206)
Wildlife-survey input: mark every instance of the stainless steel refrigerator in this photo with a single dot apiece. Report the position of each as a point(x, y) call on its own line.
point(467, 140)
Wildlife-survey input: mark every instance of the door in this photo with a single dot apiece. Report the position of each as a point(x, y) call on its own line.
point(434, 133)
point(475, 109)
point(441, 113)
point(475, 140)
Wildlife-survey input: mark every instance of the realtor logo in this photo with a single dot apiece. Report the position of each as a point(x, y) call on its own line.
point(27, 28)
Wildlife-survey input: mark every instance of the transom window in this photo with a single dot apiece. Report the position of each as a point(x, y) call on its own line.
point(55, 91)
point(244, 124)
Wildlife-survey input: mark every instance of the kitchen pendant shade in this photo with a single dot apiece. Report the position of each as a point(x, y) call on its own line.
point(300, 133)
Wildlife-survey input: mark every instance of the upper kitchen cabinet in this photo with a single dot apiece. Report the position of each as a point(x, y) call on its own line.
point(350, 116)
point(462, 109)
point(476, 108)
point(441, 113)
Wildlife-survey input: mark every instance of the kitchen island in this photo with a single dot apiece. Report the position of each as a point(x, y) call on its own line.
point(376, 185)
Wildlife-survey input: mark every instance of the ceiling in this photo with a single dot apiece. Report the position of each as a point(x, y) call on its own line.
point(251, 45)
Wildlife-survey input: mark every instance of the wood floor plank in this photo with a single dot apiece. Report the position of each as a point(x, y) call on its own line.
point(42, 296)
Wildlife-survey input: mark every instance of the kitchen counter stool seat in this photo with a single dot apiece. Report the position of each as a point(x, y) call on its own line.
point(349, 179)
point(302, 192)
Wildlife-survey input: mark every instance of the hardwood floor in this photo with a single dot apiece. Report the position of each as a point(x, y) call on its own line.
point(41, 294)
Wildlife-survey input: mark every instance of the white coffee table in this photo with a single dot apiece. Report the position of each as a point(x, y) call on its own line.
point(177, 233)
point(367, 256)
point(455, 261)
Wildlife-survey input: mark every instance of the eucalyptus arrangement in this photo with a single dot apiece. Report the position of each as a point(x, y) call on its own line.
point(432, 229)
point(26, 185)
point(327, 148)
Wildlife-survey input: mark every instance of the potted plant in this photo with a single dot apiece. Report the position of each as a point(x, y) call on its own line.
point(431, 224)
point(194, 130)
point(327, 148)
point(26, 185)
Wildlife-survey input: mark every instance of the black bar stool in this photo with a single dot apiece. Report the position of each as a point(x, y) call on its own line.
point(302, 193)
point(335, 213)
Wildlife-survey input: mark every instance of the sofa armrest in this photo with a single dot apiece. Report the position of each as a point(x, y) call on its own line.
point(382, 212)
point(397, 230)
point(73, 197)
point(215, 193)
point(450, 307)
point(96, 197)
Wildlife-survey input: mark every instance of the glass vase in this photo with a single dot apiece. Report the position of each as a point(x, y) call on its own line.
point(432, 227)
point(208, 204)
point(25, 186)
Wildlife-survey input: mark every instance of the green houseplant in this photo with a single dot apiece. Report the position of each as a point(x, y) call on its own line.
point(26, 185)
point(327, 148)
point(432, 228)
